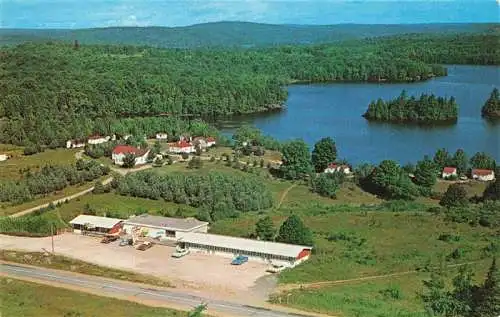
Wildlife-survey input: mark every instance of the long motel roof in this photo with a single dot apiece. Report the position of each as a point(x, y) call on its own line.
point(99, 222)
point(246, 245)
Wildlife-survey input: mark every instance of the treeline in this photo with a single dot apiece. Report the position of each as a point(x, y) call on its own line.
point(426, 109)
point(49, 179)
point(54, 91)
point(491, 108)
point(218, 195)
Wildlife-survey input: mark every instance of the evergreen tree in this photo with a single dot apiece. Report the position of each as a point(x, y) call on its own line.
point(129, 160)
point(325, 152)
point(264, 228)
point(425, 174)
point(459, 160)
point(491, 108)
point(455, 196)
point(98, 188)
point(492, 191)
point(482, 160)
point(488, 300)
point(294, 231)
point(442, 159)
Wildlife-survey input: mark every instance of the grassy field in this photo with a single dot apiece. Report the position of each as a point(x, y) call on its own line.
point(19, 298)
point(10, 168)
point(385, 297)
point(356, 235)
point(67, 264)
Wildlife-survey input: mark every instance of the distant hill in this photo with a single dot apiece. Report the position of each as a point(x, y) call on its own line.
point(233, 34)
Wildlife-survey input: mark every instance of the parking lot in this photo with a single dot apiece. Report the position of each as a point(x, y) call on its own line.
point(209, 274)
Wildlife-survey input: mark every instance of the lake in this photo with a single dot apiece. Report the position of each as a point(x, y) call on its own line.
point(319, 110)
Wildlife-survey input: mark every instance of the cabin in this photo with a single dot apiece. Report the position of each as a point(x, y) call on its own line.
point(97, 139)
point(120, 151)
point(334, 167)
point(181, 147)
point(73, 144)
point(483, 174)
point(210, 141)
point(449, 172)
point(161, 136)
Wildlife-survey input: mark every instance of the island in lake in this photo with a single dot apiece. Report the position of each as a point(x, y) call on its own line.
point(491, 108)
point(426, 109)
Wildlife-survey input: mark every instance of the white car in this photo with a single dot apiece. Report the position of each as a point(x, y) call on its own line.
point(276, 268)
point(179, 253)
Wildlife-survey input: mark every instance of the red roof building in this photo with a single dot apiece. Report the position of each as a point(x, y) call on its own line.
point(483, 174)
point(449, 170)
point(127, 149)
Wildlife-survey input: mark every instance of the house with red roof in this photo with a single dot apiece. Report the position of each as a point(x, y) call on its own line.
point(120, 151)
point(181, 147)
point(334, 167)
point(449, 172)
point(483, 174)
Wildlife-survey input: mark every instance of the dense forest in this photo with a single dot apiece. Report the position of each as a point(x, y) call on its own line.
point(233, 34)
point(491, 108)
point(49, 179)
point(55, 91)
point(218, 195)
point(426, 109)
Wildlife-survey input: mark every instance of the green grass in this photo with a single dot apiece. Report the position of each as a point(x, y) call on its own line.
point(20, 298)
point(63, 263)
point(10, 168)
point(385, 297)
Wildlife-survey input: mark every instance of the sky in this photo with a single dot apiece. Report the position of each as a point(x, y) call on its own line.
point(104, 13)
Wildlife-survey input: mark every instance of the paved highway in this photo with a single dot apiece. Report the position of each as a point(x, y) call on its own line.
point(117, 288)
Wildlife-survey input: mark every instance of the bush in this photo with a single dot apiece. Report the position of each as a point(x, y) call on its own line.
point(455, 196)
point(185, 156)
point(326, 184)
point(392, 292)
point(448, 237)
point(31, 149)
point(457, 254)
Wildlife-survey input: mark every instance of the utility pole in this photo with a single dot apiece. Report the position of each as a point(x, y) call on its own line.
point(52, 236)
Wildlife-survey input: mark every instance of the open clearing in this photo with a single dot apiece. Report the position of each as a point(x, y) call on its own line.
point(20, 298)
point(211, 275)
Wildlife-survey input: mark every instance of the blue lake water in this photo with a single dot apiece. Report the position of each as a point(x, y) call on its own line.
point(316, 111)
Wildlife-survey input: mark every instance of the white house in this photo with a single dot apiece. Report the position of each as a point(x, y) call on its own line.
point(161, 136)
point(210, 141)
point(483, 174)
point(181, 147)
point(4, 157)
point(127, 136)
point(449, 172)
point(73, 144)
point(164, 228)
point(97, 139)
point(120, 151)
point(288, 255)
point(334, 167)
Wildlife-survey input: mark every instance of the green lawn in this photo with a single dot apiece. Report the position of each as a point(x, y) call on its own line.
point(67, 264)
point(19, 298)
point(385, 297)
point(10, 168)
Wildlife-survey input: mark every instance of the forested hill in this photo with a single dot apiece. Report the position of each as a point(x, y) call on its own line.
point(236, 34)
point(55, 91)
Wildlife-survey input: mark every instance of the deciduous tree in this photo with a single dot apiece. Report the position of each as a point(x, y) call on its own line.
point(264, 228)
point(455, 196)
point(325, 152)
point(296, 160)
point(294, 231)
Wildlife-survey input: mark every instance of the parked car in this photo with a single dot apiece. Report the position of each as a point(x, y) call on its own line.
point(179, 253)
point(275, 268)
point(125, 242)
point(144, 246)
point(108, 239)
point(239, 260)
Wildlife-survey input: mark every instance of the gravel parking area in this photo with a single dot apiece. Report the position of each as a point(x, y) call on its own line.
point(210, 274)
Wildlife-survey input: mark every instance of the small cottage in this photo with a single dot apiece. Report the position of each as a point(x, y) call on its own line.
point(449, 172)
point(97, 139)
point(334, 167)
point(483, 174)
point(161, 136)
point(73, 144)
point(181, 147)
point(120, 151)
point(4, 157)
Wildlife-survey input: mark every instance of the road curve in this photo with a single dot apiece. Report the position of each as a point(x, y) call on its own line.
point(112, 288)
